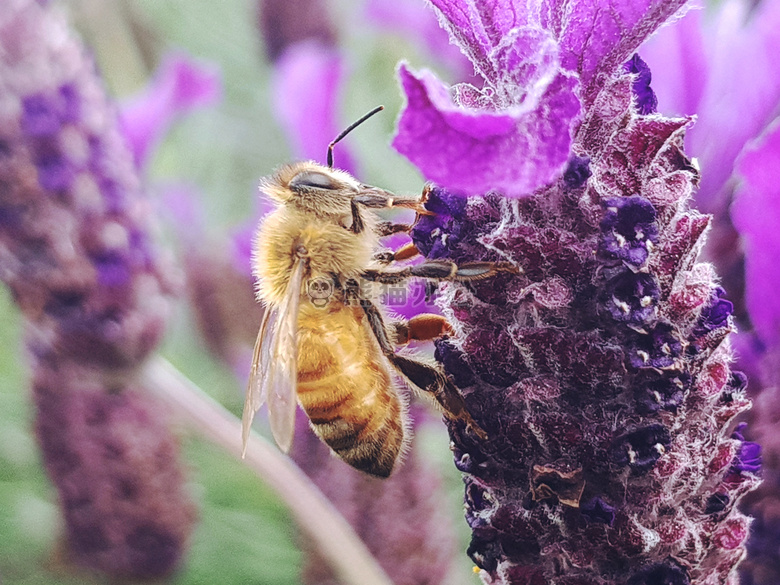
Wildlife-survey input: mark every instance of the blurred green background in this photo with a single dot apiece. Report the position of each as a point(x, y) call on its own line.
point(244, 534)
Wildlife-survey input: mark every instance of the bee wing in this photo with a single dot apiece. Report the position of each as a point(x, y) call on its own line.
point(274, 372)
point(257, 388)
point(282, 376)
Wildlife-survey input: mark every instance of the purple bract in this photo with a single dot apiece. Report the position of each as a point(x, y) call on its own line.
point(540, 65)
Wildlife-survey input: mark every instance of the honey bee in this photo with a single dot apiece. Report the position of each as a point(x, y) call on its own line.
point(324, 342)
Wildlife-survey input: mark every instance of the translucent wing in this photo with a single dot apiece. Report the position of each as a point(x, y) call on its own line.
point(274, 372)
point(283, 373)
point(257, 388)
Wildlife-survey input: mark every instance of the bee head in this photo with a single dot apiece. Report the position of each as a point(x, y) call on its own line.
point(315, 188)
point(324, 191)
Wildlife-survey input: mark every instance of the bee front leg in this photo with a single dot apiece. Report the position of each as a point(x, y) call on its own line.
point(421, 375)
point(357, 220)
point(442, 270)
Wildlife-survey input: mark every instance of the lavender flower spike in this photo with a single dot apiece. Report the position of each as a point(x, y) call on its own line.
point(77, 256)
point(601, 372)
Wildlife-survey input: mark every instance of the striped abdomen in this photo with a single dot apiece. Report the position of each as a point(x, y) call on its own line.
point(346, 390)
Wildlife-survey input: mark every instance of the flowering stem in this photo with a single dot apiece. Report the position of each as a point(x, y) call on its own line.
point(339, 545)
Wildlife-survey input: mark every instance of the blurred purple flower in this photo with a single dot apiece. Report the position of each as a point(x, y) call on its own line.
point(540, 66)
point(77, 254)
point(601, 372)
point(755, 213)
point(226, 311)
point(310, 118)
point(115, 464)
point(179, 85)
point(284, 23)
point(717, 65)
point(220, 293)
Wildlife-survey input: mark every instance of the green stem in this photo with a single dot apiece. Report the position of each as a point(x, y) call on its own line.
point(337, 542)
point(105, 26)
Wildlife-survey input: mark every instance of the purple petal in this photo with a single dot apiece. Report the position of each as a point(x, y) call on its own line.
point(180, 85)
point(306, 87)
point(597, 510)
point(742, 95)
point(647, 102)
point(748, 457)
point(628, 229)
point(754, 213)
point(577, 172)
point(594, 37)
point(597, 37)
point(515, 151)
point(479, 30)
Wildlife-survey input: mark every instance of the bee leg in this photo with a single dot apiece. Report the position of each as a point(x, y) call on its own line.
point(388, 228)
point(383, 257)
point(385, 200)
point(429, 379)
point(423, 376)
point(357, 220)
point(403, 253)
point(442, 270)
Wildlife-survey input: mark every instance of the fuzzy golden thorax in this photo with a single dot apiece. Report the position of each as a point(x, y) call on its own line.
point(315, 213)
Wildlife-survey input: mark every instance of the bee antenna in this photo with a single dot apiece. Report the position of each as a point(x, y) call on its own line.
point(349, 129)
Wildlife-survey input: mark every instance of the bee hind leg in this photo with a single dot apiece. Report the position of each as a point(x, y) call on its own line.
point(430, 380)
point(423, 376)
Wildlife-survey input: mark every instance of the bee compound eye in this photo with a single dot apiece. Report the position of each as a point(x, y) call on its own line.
point(313, 179)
